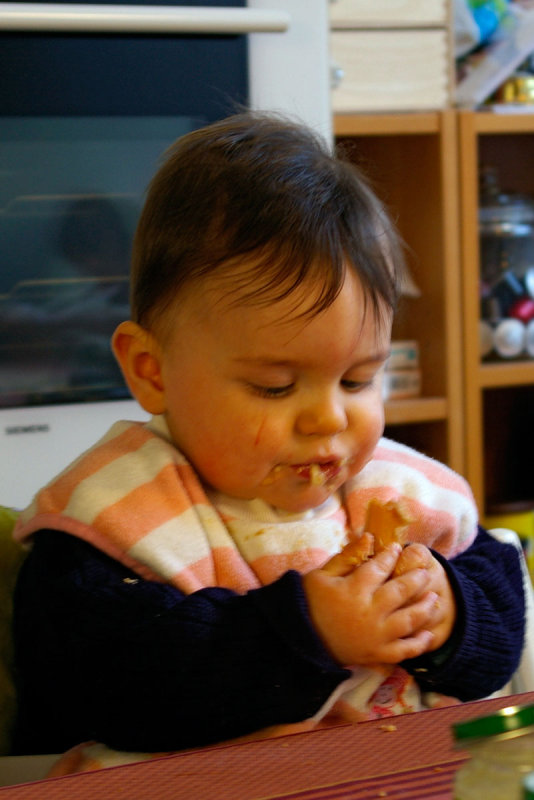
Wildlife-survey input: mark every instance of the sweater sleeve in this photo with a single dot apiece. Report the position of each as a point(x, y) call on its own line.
point(103, 655)
point(485, 648)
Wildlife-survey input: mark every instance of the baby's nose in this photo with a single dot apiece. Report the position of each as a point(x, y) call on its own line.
point(324, 417)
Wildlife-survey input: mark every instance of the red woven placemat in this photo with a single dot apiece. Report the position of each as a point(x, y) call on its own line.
point(356, 762)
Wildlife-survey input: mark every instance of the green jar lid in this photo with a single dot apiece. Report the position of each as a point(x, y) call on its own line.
point(528, 786)
point(511, 721)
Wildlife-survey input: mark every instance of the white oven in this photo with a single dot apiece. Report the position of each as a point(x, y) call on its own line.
point(90, 95)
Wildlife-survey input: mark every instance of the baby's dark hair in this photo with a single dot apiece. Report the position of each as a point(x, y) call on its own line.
point(259, 190)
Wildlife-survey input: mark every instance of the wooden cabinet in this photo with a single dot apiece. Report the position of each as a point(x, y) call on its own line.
point(411, 160)
point(499, 397)
point(476, 416)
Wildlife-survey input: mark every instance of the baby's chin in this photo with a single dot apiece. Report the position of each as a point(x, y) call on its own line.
point(297, 502)
point(284, 490)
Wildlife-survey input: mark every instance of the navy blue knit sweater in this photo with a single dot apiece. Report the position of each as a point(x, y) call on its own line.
point(104, 655)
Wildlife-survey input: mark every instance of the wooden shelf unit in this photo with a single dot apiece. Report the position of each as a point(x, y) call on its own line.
point(411, 161)
point(499, 397)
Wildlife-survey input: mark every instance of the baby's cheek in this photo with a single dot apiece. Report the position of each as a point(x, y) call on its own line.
point(269, 441)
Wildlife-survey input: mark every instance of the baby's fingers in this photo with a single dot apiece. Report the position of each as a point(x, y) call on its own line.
point(409, 631)
point(414, 556)
point(378, 569)
point(403, 589)
point(353, 554)
point(412, 618)
point(408, 647)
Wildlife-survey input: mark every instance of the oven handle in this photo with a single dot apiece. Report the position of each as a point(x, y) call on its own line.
point(75, 17)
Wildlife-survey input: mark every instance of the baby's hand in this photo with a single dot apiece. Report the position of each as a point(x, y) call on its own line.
point(368, 615)
point(417, 556)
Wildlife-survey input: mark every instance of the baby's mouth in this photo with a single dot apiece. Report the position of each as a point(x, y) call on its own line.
point(320, 473)
point(316, 473)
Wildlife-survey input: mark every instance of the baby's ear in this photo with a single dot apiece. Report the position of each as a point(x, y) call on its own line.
point(139, 357)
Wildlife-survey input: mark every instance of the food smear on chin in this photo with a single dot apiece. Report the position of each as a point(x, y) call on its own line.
point(272, 476)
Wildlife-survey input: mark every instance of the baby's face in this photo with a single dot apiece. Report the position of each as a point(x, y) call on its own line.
point(266, 404)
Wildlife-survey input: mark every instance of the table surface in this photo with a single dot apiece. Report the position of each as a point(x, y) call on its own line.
point(409, 757)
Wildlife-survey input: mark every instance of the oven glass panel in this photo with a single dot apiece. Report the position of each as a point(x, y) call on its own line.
point(84, 121)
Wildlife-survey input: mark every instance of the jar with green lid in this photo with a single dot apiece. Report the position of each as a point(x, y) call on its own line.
point(501, 747)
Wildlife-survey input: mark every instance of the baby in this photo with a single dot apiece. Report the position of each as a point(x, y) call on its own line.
point(195, 579)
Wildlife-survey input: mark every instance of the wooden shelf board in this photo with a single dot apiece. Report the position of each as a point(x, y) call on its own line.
point(386, 124)
point(514, 373)
point(489, 122)
point(416, 409)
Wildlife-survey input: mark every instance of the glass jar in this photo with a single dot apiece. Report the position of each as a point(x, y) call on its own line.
point(506, 235)
point(501, 747)
point(506, 226)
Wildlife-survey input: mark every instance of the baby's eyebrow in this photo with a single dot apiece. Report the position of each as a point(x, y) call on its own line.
point(376, 358)
point(264, 361)
point(267, 361)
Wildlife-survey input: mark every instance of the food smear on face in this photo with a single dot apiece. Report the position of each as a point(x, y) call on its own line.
point(272, 476)
point(315, 473)
point(321, 472)
point(317, 476)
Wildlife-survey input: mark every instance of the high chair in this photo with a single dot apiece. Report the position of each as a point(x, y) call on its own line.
point(523, 678)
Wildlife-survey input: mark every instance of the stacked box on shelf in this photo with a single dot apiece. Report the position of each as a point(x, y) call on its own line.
point(391, 56)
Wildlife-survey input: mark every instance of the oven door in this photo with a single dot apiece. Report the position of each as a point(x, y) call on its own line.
point(289, 59)
point(90, 97)
point(89, 100)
